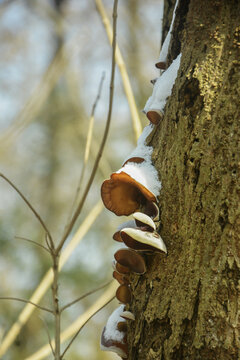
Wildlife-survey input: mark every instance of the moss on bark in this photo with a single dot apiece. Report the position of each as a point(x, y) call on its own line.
point(187, 306)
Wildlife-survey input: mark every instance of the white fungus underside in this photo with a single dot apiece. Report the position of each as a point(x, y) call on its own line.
point(145, 219)
point(163, 87)
point(147, 238)
point(111, 330)
point(144, 173)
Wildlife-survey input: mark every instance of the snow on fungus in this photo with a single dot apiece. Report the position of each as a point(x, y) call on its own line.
point(124, 294)
point(143, 240)
point(162, 90)
point(149, 100)
point(112, 339)
point(142, 219)
point(130, 188)
point(142, 150)
point(128, 315)
point(134, 159)
point(161, 63)
point(129, 223)
point(131, 259)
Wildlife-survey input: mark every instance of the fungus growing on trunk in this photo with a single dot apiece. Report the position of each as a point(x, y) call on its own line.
point(130, 188)
point(124, 294)
point(143, 240)
point(161, 63)
point(112, 338)
point(152, 210)
point(131, 259)
point(143, 220)
point(116, 235)
point(127, 315)
point(134, 159)
point(121, 278)
point(161, 91)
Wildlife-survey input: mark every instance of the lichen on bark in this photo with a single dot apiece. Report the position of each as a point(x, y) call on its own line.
point(187, 305)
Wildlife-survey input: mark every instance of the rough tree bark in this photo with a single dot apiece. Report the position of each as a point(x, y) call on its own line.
point(187, 305)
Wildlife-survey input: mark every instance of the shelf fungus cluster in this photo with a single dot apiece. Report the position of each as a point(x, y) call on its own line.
point(134, 190)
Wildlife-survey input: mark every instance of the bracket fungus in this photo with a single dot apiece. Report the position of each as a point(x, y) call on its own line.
point(116, 235)
point(121, 269)
point(112, 338)
point(143, 240)
point(161, 63)
point(127, 315)
point(132, 260)
point(134, 159)
point(151, 209)
point(124, 294)
point(161, 91)
point(130, 188)
point(143, 220)
point(121, 278)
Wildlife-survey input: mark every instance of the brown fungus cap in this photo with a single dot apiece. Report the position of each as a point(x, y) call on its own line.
point(131, 259)
point(123, 195)
point(155, 116)
point(113, 345)
point(124, 294)
point(117, 236)
point(121, 278)
point(135, 159)
point(161, 65)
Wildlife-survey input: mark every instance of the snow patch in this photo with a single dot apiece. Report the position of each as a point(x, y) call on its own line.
point(142, 150)
point(144, 173)
point(163, 87)
point(164, 51)
point(111, 331)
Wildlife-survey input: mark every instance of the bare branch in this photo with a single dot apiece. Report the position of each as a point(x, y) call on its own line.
point(48, 335)
point(137, 126)
point(84, 296)
point(90, 181)
point(88, 142)
point(47, 279)
point(33, 242)
point(90, 317)
point(29, 205)
point(27, 302)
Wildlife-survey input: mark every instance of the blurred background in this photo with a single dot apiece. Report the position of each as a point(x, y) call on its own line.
point(53, 54)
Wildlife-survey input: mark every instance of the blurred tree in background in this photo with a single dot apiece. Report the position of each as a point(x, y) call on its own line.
point(52, 57)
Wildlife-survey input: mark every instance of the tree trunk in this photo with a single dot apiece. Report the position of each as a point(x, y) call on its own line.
point(187, 305)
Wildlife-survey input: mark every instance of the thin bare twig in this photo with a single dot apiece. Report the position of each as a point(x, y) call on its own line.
point(47, 279)
point(137, 126)
point(88, 143)
point(27, 302)
point(90, 181)
point(30, 207)
point(33, 242)
point(70, 331)
point(48, 335)
point(84, 296)
point(90, 317)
